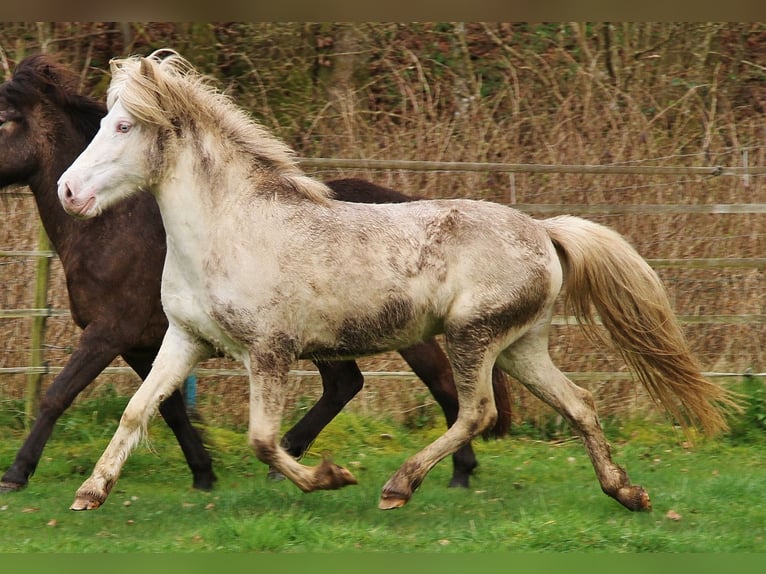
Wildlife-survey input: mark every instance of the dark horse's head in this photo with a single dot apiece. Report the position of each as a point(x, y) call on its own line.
point(40, 111)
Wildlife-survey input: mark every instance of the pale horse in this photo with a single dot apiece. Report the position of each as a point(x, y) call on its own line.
point(263, 266)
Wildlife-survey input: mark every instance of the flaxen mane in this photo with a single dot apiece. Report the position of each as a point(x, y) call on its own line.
point(165, 91)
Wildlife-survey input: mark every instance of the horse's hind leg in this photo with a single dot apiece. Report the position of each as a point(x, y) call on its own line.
point(528, 360)
point(430, 363)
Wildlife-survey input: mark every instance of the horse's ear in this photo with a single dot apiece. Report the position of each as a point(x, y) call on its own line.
point(50, 78)
point(45, 70)
point(146, 69)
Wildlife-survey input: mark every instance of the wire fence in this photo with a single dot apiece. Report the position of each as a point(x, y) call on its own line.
point(40, 365)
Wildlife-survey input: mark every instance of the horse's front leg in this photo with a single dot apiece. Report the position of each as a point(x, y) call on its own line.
point(268, 378)
point(178, 354)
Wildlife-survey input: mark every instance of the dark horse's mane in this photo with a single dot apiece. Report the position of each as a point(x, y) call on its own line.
point(41, 77)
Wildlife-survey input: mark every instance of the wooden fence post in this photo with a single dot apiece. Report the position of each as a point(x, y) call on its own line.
point(34, 379)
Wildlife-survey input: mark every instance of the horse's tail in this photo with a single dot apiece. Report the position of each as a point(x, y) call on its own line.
point(604, 271)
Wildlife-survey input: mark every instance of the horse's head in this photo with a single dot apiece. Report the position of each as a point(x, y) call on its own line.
point(162, 112)
point(115, 165)
point(131, 143)
point(41, 109)
point(136, 136)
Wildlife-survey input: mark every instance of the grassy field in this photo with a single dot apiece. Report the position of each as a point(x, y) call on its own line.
point(529, 496)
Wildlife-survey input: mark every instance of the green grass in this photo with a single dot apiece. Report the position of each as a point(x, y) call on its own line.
point(528, 496)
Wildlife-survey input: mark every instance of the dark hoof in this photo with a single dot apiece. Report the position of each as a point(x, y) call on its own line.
point(458, 482)
point(275, 475)
point(11, 486)
point(205, 483)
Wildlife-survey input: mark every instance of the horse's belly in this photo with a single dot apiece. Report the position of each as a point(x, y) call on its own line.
point(394, 326)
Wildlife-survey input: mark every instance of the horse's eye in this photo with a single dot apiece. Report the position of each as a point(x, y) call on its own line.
point(123, 127)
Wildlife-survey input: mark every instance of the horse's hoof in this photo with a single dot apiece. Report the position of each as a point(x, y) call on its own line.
point(644, 502)
point(10, 486)
point(85, 503)
point(636, 499)
point(346, 477)
point(275, 475)
point(205, 483)
point(330, 476)
point(389, 502)
point(459, 482)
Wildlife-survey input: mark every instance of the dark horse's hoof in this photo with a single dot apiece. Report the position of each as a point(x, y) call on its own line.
point(6, 486)
point(274, 474)
point(205, 483)
point(460, 481)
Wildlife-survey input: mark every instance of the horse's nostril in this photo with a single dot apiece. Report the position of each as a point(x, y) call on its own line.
point(68, 192)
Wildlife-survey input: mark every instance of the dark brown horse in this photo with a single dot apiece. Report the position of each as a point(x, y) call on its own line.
point(114, 291)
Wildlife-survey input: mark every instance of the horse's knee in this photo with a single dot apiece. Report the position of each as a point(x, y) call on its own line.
point(488, 416)
point(51, 405)
point(480, 418)
point(133, 417)
point(173, 409)
point(586, 397)
point(355, 381)
point(585, 411)
point(341, 381)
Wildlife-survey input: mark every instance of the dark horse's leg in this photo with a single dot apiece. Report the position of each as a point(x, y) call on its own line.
point(86, 362)
point(173, 411)
point(342, 380)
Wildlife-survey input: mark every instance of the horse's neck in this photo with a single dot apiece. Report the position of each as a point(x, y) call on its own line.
point(198, 216)
point(189, 222)
point(60, 227)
